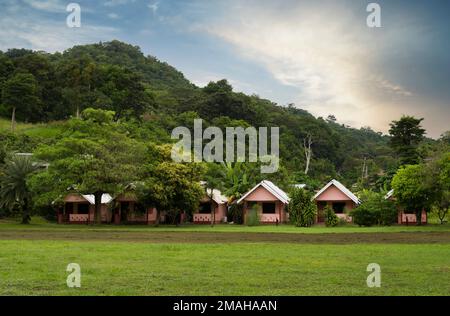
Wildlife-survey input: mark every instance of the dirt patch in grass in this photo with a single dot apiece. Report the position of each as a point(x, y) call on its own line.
point(218, 237)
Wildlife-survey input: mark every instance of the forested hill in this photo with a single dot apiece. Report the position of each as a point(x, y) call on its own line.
point(117, 76)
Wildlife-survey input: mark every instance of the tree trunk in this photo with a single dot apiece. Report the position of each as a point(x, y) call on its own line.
point(13, 120)
point(419, 218)
point(78, 111)
point(25, 212)
point(307, 142)
point(213, 212)
point(98, 207)
point(158, 217)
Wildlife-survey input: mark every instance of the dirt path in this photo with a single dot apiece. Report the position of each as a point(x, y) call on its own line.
point(221, 237)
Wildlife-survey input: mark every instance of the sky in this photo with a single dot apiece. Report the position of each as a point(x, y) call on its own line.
point(319, 55)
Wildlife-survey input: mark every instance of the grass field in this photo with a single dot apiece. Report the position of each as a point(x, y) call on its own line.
point(223, 260)
point(33, 130)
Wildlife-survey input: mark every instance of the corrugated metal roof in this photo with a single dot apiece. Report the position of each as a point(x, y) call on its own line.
point(272, 188)
point(106, 198)
point(217, 196)
point(342, 188)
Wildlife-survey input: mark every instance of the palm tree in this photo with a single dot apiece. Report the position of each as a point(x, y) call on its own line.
point(237, 182)
point(213, 180)
point(14, 193)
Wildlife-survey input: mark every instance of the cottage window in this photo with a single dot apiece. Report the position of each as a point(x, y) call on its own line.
point(338, 208)
point(83, 208)
point(268, 208)
point(205, 208)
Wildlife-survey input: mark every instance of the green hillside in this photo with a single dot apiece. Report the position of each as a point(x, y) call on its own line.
point(157, 97)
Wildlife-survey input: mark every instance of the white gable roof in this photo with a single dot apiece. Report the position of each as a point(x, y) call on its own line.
point(217, 196)
point(341, 188)
point(106, 198)
point(272, 188)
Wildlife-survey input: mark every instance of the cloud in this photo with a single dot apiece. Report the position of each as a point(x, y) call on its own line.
point(50, 36)
point(113, 16)
point(153, 6)
point(47, 5)
point(113, 3)
point(327, 53)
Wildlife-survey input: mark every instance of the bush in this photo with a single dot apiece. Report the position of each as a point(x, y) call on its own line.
point(364, 216)
point(374, 210)
point(331, 219)
point(253, 216)
point(302, 210)
point(342, 221)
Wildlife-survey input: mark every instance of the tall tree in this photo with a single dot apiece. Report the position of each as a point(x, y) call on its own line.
point(406, 134)
point(411, 191)
point(307, 142)
point(213, 180)
point(94, 156)
point(20, 94)
point(14, 191)
point(171, 187)
point(437, 170)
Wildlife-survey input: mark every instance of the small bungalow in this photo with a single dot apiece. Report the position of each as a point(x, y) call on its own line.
point(403, 216)
point(336, 196)
point(80, 209)
point(128, 210)
point(218, 202)
point(272, 202)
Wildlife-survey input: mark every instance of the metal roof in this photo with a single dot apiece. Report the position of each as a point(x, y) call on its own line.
point(106, 198)
point(341, 188)
point(272, 188)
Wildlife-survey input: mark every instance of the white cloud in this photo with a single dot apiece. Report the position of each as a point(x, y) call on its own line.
point(47, 5)
point(113, 3)
point(113, 16)
point(48, 36)
point(153, 6)
point(326, 52)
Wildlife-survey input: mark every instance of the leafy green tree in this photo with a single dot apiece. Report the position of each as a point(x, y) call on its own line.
point(20, 94)
point(14, 191)
point(171, 187)
point(78, 75)
point(411, 190)
point(406, 134)
point(237, 182)
point(302, 210)
point(437, 171)
point(374, 210)
point(94, 157)
point(125, 92)
point(6, 69)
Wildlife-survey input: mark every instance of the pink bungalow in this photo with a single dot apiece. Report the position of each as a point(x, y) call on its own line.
point(272, 202)
point(128, 211)
point(218, 201)
point(336, 196)
point(80, 209)
point(403, 216)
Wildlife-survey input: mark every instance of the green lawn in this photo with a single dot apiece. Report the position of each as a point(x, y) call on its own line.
point(223, 260)
point(42, 225)
point(38, 268)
